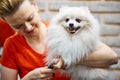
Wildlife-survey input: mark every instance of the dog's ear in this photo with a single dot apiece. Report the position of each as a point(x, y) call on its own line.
point(63, 8)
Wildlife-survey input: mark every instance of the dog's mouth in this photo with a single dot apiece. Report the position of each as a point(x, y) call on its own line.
point(72, 30)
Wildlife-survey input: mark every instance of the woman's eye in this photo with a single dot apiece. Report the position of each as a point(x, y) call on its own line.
point(78, 20)
point(18, 26)
point(67, 20)
point(30, 18)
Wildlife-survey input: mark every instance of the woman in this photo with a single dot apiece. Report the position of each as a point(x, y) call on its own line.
point(24, 52)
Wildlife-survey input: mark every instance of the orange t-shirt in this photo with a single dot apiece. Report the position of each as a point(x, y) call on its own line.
point(18, 55)
point(5, 31)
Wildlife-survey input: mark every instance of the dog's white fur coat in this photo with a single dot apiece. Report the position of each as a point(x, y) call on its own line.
point(73, 47)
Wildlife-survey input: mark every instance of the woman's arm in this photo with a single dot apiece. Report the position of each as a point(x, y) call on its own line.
point(102, 57)
point(8, 74)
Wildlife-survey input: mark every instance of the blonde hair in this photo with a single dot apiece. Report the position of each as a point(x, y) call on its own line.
point(7, 7)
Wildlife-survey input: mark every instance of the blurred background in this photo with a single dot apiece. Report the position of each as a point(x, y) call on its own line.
point(107, 13)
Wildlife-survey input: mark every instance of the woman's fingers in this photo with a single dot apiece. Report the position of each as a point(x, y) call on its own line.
point(43, 73)
point(59, 64)
point(46, 72)
point(46, 76)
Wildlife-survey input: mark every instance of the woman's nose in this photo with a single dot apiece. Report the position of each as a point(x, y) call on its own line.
point(28, 26)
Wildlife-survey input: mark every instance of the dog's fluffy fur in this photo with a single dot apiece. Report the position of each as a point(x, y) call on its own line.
point(73, 33)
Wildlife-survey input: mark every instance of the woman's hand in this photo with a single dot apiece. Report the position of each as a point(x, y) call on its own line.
point(43, 73)
point(59, 64)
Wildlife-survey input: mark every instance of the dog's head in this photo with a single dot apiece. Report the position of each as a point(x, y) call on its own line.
point(74, 19)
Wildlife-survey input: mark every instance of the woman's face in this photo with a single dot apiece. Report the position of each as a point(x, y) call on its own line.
point(25, 20)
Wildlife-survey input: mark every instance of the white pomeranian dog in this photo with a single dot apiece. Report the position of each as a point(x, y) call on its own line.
point(73, 34)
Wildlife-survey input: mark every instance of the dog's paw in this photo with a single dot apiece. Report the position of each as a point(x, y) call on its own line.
point(53, 62)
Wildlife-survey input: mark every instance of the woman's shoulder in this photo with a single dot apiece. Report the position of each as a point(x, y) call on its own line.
point(14, 39)
point(14, 36)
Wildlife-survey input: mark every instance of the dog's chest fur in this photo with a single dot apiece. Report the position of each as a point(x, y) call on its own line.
point(71, 47)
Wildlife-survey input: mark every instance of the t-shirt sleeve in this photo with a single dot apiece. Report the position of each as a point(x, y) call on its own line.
point(8, 55)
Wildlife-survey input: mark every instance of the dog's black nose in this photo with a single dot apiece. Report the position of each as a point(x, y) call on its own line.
point(71, 25)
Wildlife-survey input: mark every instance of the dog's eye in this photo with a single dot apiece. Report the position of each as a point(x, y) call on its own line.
point(67, 20)
point(78, 20)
